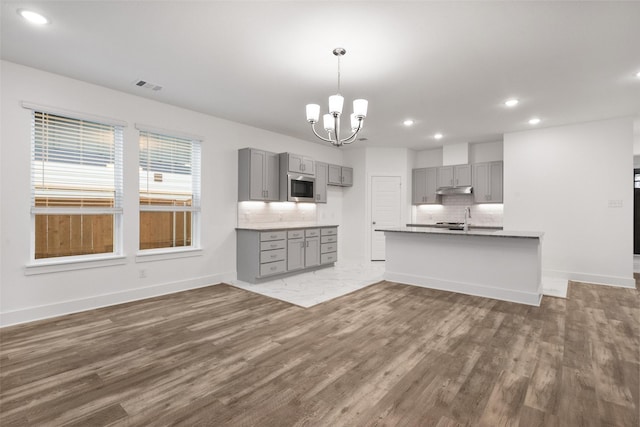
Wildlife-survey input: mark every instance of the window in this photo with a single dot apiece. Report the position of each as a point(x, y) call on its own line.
point(76, 186)
point(169, 191)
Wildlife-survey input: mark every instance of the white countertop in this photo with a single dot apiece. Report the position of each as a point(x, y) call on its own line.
point(471, 232)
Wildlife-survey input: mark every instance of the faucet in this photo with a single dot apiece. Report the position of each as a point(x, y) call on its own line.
point(467, 215)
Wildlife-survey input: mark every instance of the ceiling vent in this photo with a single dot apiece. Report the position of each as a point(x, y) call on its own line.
point(147, 85)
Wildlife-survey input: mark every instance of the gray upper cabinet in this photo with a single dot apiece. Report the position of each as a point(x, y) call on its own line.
point(454, 176)
point(258, 175)
point(340, 175)
point(462, 175)
point(347, 176)
point(488, 182)
point(425, 184)
point(296, 163)
point(322, 170)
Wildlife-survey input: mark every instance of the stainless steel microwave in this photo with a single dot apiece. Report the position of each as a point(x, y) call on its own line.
point(300, 188)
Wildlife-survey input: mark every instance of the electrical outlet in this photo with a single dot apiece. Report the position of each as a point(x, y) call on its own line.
point(142, 274)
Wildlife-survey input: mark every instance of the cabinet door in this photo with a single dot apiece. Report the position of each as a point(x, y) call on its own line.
point(419, 186)
point(462, 175)
point(257, 174)
point(335, 175)
point(347, 176)
point(445, 176)
point(308, 166)
point(312, 252)
point(495, 182)
point(295, 254)
point(272, 176)
point(295, 163)
point(480, 182)
point(321, 182)
point(431, 186)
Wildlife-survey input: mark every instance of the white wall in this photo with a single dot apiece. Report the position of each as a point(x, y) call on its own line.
point(428, 158)
point(486, 152)
point(368, 162)
point(28, 297)
point(455, 154)
point(636, 137)
point(560, 181)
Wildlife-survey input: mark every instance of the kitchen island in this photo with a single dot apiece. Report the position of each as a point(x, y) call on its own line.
point(499, 264)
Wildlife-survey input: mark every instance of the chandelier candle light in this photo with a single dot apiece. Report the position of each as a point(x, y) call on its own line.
point(331, 121)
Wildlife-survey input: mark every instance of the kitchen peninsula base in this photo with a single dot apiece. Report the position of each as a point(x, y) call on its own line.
point(494, 264)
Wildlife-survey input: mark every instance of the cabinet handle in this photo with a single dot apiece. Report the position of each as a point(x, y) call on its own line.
point(456, 181)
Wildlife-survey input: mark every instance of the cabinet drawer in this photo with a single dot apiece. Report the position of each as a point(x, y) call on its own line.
point(329, 239)
point(312, 232)
point(271, 256)
point(276, 244)
point(272, 268)
point(295, 234)
point(328, 247)
point(273, 235)
point(329, 231)
point(328, 258)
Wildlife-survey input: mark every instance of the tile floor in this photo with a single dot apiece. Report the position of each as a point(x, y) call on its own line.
point(309, 289)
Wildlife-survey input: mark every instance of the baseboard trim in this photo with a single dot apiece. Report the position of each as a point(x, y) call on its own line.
point(528, 298)
point(31, 314)
point(595, 279)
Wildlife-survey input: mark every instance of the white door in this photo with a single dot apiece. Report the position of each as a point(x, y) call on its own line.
point(386, 211)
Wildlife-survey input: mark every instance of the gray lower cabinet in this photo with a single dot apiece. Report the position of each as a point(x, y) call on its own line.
point(322, 170)
point(312, 248)
point(258, 175)
point(328, 245)
point(262, 255)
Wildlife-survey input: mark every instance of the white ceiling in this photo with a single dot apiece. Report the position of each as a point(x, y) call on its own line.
point(447, 65)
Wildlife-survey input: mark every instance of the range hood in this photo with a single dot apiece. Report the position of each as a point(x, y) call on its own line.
point(450, 191)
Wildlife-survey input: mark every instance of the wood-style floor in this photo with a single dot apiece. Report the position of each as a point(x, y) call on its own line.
point(386, 355)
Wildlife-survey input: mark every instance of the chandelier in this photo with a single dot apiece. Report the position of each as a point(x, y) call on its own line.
point(331, 121)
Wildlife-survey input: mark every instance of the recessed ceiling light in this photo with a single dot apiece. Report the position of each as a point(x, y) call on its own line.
point(638, 74)
point(438, 136)
point(408, 122)
point(33, 17)
point(511, 102)
point(534, 121)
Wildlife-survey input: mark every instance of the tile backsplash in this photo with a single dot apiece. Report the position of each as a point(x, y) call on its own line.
point(253, 214)
point(452, 210)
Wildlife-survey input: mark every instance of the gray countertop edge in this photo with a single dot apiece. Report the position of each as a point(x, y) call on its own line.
point(472, 226)
point(284, 227)
point(487, 233)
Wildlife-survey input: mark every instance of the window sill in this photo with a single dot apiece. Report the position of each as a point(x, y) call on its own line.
point(73, 263)
point(163, 254)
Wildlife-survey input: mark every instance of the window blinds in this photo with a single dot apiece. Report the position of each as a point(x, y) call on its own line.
point(76, 165)
point(169, 172)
